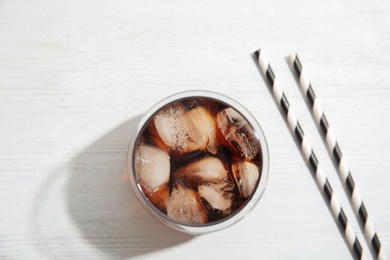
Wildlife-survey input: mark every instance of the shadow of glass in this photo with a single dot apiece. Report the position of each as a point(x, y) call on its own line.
point(101, 204)
point(104, 207)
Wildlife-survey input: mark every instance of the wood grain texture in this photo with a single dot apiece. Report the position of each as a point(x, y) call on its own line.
point(75, 77)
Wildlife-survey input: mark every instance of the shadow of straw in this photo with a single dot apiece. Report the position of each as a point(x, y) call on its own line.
point(102, 205)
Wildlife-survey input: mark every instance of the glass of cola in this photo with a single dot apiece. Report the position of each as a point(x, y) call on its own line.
point(198, 161)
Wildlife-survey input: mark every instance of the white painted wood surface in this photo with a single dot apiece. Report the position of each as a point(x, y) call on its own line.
point(76, 75)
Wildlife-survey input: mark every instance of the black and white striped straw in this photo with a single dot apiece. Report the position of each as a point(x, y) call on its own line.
point(310, 157)
point(343, 169)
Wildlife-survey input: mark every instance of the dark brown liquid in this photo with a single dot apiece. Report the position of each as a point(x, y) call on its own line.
point(232, 147)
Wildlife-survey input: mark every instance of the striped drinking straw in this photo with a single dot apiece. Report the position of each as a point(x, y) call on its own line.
point(343, 169)
point(310, 157)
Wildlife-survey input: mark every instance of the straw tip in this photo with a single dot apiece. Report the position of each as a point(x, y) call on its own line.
point(292, 57)
point(257, 53)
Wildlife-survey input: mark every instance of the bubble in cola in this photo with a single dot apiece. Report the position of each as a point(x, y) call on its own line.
point(198, 160)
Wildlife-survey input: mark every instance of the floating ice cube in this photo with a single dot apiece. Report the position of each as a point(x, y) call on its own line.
point(176, 131)
point(152, 167)
point(204, 123)
point(246, 175)
point(238, 133)
point(219, 196)
point(209, 169)
point(184, 206)
point(186, 131)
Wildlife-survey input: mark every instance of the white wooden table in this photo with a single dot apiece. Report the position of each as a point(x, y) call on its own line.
point(75, 76)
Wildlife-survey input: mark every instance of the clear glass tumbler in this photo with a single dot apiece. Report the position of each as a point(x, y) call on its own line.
point(198, 161)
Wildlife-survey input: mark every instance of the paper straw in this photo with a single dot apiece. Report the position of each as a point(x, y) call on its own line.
point(343, 169)
point(310, 157)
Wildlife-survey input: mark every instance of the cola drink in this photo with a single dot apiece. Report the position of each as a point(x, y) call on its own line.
point(197, 161)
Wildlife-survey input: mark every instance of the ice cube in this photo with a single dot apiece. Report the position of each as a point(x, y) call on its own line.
point(186, 131)
point(176, 131)
point(246, 175)
point(209, 169)
point(152, 167)
point(238, 133)
point(219, 196)
point(204, 123)
point(184, 206)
